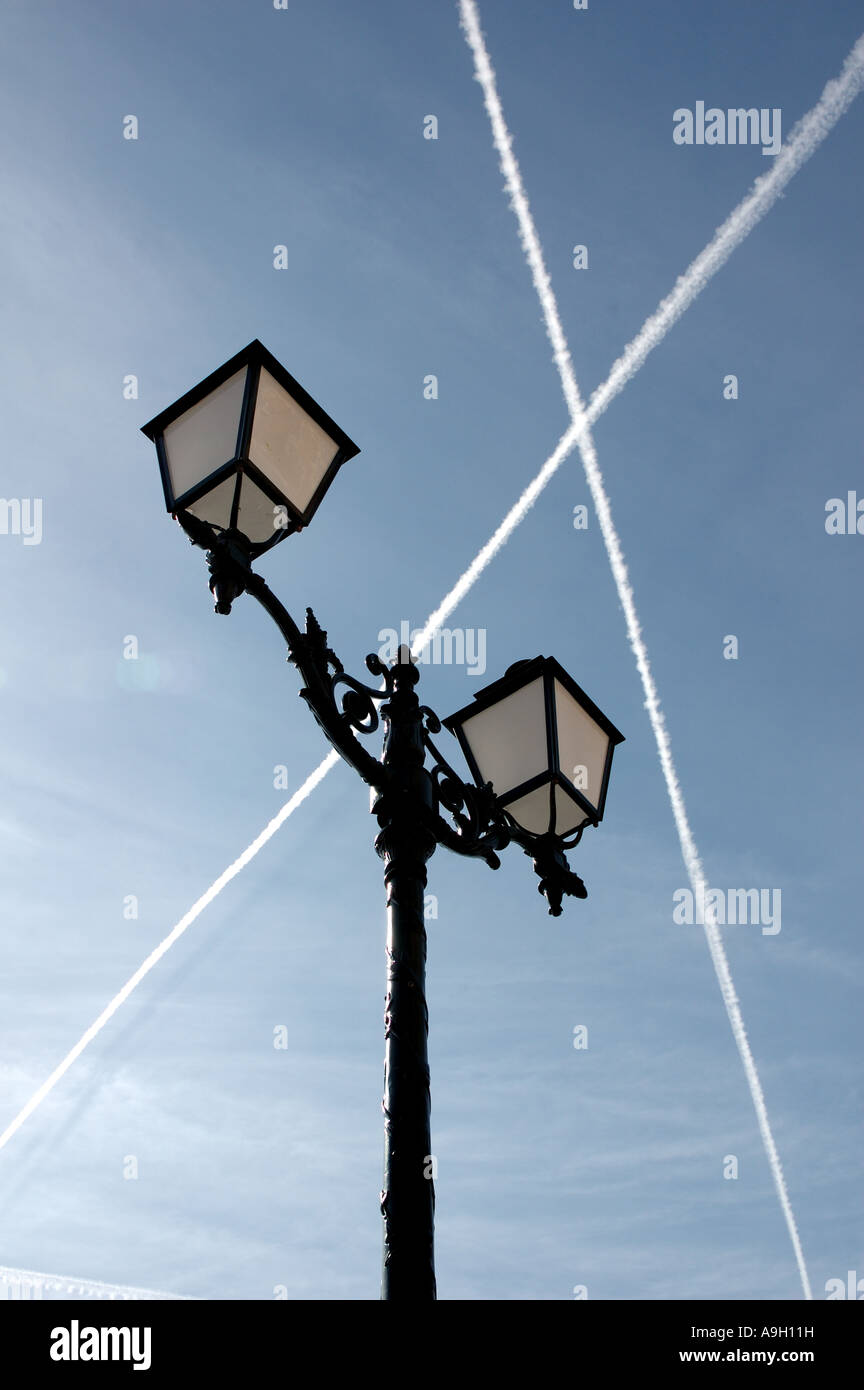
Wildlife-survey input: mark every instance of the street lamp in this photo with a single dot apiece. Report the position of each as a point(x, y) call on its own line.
point(547, 750)
point(247, 453)
point(246, 457)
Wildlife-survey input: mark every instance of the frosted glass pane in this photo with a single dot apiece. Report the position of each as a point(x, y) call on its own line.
point(532, 811)
point(257, 513)
point(287, 445)
point(206, 436)
point(568, 814)
point(215, 506)
point(582, 746)
point(508, 740)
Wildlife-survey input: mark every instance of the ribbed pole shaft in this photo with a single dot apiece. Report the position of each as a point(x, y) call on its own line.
point(405, 844)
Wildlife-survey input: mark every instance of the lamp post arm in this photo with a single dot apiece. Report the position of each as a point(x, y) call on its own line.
point(478, 827)
point(322, 673)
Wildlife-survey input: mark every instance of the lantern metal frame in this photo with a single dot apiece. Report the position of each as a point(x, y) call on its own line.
point(253, 358)
point(517, 676)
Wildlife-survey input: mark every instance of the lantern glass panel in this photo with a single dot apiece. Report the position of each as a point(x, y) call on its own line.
point(508, 740)
point(215, 506)
point(581, 744)
point(288, 446)
point(569, 815)
point(257, 513)
point(205, 436)
point(532, 811)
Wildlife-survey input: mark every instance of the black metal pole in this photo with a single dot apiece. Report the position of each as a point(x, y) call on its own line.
point(406, 843)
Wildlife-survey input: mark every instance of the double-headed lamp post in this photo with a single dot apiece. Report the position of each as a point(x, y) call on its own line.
point(246, 457)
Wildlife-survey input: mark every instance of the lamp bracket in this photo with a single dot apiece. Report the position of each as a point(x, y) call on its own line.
point(478, 827)
point(557, 879)
point(472, 823)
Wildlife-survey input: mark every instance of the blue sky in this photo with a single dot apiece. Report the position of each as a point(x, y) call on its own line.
point(600, 1167)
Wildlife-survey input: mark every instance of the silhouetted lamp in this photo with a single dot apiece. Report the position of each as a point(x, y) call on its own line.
point(247, 453)
point(543, 744)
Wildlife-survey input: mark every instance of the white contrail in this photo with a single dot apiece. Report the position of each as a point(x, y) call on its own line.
point(705, 266)
point(165, 945)
point(499, 537)
point(27, 1285)
point(805, 137)
point(485, 75)
point(809, 132)
point(625, 367)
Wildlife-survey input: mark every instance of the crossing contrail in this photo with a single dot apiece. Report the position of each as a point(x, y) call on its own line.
point(735, 228)
point(804, 139)
point(625, 367)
